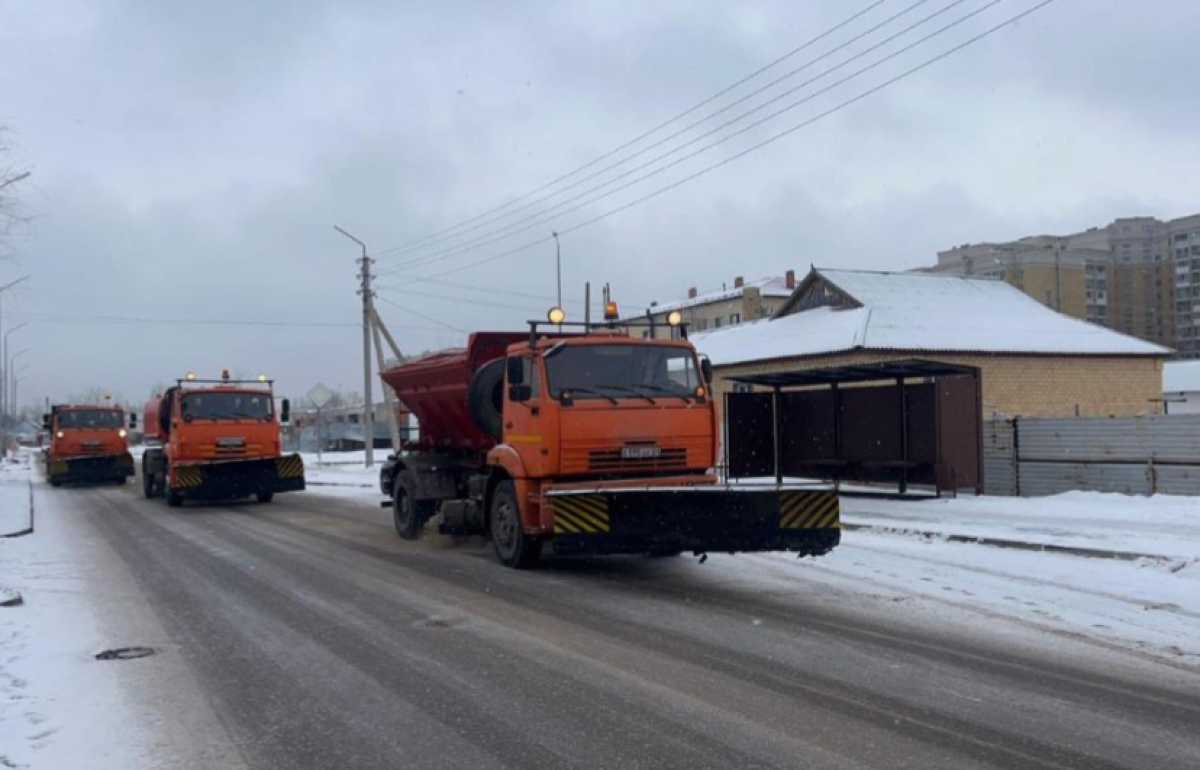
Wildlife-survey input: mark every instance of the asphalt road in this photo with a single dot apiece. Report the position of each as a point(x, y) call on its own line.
point(321, 640)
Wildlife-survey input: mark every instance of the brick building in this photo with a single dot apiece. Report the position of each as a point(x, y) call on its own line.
point(1033, 361)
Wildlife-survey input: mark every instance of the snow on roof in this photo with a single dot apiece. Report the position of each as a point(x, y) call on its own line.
point(919, 312)
point(769, 287)
point(1181, 376)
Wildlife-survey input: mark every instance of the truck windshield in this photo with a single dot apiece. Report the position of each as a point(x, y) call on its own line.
point(89, 418)
point(226, 406)
point(616, 371)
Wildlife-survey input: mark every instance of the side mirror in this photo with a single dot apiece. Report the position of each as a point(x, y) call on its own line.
point(515, 371)
point(132, 420)
point(46, 421)
point(706, 370)
point(519, 393)
point(285, 411)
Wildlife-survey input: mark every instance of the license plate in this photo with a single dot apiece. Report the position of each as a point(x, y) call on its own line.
point(640, 452)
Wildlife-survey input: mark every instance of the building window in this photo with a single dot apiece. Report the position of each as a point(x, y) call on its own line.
point(735, 319)
point(717, 322)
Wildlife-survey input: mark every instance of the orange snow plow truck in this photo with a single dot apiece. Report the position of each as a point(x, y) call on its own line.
point(87, 443)
point(217, 440)
point(592, 442)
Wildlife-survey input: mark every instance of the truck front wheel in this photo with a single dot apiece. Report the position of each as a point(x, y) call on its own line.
point(513, 547)
point(408, 513)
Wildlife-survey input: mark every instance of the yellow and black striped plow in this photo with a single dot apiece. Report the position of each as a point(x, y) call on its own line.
point(188, 477)
point(809, 510)
point(289, 467)
point(580, 514)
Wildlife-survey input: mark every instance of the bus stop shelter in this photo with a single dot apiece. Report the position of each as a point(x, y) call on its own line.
point(910, 422)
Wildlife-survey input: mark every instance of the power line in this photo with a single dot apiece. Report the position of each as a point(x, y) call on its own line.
point(545, 217)
point(740, 100)
point(775, 62)
point(422, 315)
point(769, 140)
point(484, 302)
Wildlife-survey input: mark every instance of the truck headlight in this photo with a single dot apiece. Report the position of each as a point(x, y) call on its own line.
point(60, 434)
point(122, 433)
point(674, 318)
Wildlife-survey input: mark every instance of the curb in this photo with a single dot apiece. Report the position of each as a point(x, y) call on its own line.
point(999, 542)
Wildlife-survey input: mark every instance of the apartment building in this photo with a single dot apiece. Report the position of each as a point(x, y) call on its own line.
point(1134, 275)
point(730, 306)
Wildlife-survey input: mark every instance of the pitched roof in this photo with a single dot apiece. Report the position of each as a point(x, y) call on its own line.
point(1181, 376)
point(920, 312)
point(769, 287)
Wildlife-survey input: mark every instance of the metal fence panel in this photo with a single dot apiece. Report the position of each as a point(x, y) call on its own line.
point(999, 458)
point(1039, 479)
point(1168, 438)
point(1131, 455)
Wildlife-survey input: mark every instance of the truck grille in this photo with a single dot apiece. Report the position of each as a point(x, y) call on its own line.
point(608, 460)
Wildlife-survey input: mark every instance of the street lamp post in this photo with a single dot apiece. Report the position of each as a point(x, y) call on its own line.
point(17, 378)
point(4, 370)
point(368, 422)
point(12, 359)
point(4, 353)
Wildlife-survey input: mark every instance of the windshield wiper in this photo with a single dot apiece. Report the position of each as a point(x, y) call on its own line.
point(588, 390)
point(687, 399)
point(629, 389)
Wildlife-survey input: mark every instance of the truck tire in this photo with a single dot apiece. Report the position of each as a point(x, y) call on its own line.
point(408, 514)
point(485, 398)
point(55, 483)
point(174, 499)
point(265, 497)
point(513, 547)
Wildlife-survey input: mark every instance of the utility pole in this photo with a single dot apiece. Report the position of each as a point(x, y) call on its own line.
point(368, 422)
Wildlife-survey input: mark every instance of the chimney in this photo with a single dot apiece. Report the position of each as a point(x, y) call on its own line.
point(692, 292)
point(738, 282)
point(791, 279)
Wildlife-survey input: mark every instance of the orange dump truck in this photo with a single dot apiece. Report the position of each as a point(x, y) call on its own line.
point(595, 442)
point(217, 440)
point(87, 443)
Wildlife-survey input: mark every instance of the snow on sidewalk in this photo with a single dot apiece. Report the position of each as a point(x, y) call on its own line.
point(1150, 605)
point(1163, 525)
point(59, 706)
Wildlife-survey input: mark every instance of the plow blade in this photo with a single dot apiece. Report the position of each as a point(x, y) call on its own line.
point(105, 468)
point(239, 478)
point(720, 519)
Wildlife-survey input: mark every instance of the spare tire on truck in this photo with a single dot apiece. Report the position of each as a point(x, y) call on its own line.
point(485, 398)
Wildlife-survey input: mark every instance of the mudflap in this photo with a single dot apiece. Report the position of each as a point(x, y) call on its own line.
point(232, 479)
point(90, 469)
point(703, 520)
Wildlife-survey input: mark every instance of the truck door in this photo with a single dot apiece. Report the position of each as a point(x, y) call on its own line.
point(525, 420)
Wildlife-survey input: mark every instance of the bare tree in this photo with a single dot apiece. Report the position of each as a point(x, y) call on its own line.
point(11, 175)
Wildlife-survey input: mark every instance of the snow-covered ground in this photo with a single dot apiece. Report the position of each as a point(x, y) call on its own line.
point(59, 706)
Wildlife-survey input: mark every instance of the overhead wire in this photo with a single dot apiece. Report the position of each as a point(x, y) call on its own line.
point(758, 145)
point(649, 132)
point(419, 314)
point(582, 200)
point(740, 100)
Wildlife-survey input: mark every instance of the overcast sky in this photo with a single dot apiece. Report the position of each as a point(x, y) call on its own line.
point(190, 159)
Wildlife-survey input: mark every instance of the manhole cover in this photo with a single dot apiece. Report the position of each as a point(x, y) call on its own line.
point(125, 653)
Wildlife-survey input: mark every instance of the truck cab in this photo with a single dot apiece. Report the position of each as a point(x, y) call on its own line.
point(217, 439)
point(87, 443)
